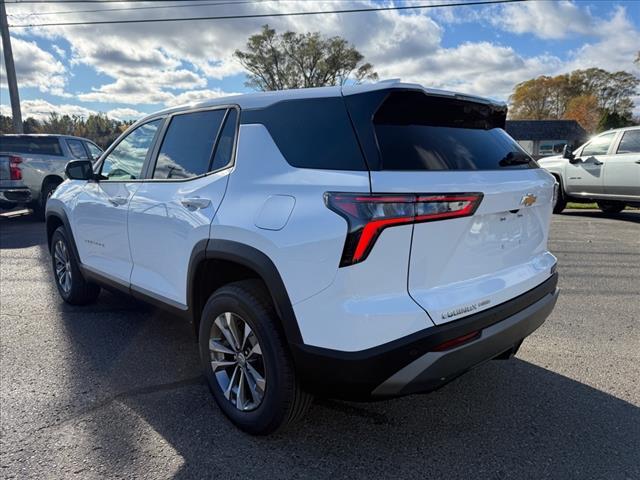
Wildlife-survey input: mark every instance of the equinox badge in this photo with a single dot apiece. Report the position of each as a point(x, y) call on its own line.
point(528, 200)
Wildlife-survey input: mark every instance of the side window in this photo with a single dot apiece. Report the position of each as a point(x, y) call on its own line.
point(224, 148)
point(94, 151)
point(126, 160)
point(188, 145)
point(598, 146)
point(630, 142)
point(76, 148)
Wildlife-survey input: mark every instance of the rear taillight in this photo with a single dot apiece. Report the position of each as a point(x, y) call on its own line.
point(368, 215)
point(14, 170)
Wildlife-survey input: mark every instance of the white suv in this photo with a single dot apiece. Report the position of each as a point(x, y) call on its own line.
point(357, 242)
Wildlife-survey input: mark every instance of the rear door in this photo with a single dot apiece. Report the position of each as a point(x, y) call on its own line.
point(445, 145)
point(622, 170)
point(172, 210)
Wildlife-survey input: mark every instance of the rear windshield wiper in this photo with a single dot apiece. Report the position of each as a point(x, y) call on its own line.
point(514, 158)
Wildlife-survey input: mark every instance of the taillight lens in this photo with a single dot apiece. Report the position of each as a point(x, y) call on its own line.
point(14, 170)
point(368, 215)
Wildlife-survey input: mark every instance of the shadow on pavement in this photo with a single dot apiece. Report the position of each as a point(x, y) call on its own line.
point(29, 232)
point(504, 419)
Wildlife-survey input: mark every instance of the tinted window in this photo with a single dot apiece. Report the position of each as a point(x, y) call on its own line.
point(76, 148)
point(415, 131)
point(630, 142)
point(224, 148)
point(188, 145)
point(311, 133)
point(598, 146)
point(93, 150)
point(126, 160)
point(30, 144)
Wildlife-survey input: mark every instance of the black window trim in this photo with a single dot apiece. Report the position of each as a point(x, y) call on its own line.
point(105, 154)
point(153, 159)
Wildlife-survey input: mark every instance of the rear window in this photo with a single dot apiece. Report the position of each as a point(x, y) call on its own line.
point(311, 133)
point(31, 145)
point(415, 131)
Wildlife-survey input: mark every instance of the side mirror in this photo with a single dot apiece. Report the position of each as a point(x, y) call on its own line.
point(80, 170)
point(568, 153)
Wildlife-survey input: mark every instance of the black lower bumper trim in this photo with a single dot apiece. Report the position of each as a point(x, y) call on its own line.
point(355, 375)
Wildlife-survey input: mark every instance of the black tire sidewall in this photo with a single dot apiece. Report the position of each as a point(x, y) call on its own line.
point(270, 414)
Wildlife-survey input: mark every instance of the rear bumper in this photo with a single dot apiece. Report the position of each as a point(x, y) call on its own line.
point(15, 195)
point(411, 364)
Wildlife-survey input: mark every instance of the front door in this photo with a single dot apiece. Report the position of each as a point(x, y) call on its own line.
point(585, 176)
point(99, 218)
point(171, 212)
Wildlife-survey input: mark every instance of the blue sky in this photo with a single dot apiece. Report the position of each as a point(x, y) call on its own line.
point(129, 70)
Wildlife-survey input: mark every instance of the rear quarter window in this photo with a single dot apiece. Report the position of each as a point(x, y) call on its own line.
point(31, 145)
point(311, 133)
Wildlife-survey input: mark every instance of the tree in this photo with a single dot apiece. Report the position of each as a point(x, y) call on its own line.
point(569, 95)
point(290, 60)
point(584, 110)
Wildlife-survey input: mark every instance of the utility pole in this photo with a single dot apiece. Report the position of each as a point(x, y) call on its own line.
point(11, 70)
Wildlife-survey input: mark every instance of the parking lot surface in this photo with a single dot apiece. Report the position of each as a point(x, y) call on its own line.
point(114, 390)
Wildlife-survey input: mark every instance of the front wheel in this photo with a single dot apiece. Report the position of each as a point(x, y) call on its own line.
point(72, 286)
point(611, 207)
point(246, 361)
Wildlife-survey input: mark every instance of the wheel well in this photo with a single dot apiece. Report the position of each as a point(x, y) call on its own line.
point(212, 274)
point(51, 179)
point(53, 223)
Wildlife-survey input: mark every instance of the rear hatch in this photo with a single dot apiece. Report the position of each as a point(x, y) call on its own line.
point(444, 144)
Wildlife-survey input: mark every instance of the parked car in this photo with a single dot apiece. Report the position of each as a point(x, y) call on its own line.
point(606, 170)
point(361, 242)
point(32, 166)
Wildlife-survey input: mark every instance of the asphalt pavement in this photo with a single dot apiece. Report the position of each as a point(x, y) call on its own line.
point(113, 390)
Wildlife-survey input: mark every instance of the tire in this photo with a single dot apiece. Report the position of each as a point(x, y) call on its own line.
point(280, 401)
point(611, 207)
point(74, 290)
point(561, 200)
point(40, 206)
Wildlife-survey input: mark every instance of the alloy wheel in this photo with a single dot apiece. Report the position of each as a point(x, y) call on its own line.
point(62, 266)
point(237, 362)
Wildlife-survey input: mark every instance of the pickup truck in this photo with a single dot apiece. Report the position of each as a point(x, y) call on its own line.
point(605, 170)
point(32, 166)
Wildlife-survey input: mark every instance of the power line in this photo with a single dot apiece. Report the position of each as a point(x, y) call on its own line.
point(39, 14)
point(267, 15)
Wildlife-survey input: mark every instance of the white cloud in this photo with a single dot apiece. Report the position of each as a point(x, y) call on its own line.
point(552, 20)
point(41, 109)
point(125, 114)
point(35, 67)
point(195, 96)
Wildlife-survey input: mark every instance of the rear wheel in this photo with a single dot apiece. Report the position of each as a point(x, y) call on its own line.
point(246, 361)
point(47, 190)
point(561, 200)
point(611, 207)
point(72, 286)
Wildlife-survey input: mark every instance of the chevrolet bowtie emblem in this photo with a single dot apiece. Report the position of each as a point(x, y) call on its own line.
point(528, 200)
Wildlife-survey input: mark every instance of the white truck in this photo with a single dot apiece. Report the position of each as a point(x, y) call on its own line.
point(32, 166)
point(606, 170)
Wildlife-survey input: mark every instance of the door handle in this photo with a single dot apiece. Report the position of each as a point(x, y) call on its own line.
point(118, 201)
point(195, 203)
point(638, 162)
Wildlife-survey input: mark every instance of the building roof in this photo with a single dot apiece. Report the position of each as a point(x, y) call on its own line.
point(545, 130)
